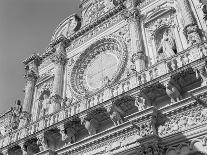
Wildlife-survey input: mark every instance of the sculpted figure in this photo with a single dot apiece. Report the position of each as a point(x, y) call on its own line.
point(70, 138)
point(173, 93)
point(140, 103)
point(116, 114)
point(90, 125)
point(45, 104)
point(18, 108)
point(15, 114)
point(167, 45)
point(203, 75)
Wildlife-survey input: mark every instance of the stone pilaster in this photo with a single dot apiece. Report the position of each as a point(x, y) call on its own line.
point(31, 76)
point(59, 59)
point(191, 29)
point(138, 58)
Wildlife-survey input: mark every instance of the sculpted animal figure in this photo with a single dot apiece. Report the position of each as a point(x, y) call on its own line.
point(173, 93)
point(90, 125)
point(116, 114)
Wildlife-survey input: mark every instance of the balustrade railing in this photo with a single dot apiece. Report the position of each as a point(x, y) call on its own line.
point(136, 79)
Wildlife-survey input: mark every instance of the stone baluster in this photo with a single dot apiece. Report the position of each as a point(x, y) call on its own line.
point(23, 148)
point(31, 68)
point(139, 57)
point(59, 59)
point(190, 26)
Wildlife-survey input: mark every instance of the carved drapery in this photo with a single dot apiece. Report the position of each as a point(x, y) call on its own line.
point(191, 28)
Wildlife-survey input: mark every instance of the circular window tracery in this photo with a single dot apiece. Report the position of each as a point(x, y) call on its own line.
point(99, 65)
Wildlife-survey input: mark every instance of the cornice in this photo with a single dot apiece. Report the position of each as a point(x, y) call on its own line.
point(34, 56)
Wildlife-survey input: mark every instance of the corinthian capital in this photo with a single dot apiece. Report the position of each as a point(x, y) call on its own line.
point(31, 75)
point(58, 58)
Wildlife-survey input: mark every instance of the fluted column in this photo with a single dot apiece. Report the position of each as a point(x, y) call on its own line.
point(190, 26)
point(31, 68)
point(59, 59)
point(138, 58)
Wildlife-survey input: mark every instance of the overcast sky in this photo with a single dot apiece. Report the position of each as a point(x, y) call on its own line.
point(26, 26)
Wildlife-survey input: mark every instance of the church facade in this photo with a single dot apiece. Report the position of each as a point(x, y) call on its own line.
point(126, 77)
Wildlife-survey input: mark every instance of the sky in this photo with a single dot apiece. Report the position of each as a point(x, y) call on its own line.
point(26, 26)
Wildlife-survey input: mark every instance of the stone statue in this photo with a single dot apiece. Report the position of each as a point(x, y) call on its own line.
point(90, 125)
point(45, 104)
point(70, 138)
point(15, 114)
point(173, 92)
point(116, 114)
point(72, 25)
point(140, 103)
point(167, 45)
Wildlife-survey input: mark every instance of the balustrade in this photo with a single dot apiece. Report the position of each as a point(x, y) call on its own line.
point(138, 79)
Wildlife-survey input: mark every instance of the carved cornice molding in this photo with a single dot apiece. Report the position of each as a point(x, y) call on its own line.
point(34, 57)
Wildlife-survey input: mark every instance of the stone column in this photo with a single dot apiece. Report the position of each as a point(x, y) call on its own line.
point(31, 68)
point(190, 26)
point(138, 58)
point(59, 59)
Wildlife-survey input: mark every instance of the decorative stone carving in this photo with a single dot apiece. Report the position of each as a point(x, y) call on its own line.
point(201, 72)
point(45, 105)
point(167, 44)
point(87, 76)
point(140, 103)
point(172, 91)
point(116, 114)
point(90, 124)
point(41, 141)
point(15, 114)
point(70, 132)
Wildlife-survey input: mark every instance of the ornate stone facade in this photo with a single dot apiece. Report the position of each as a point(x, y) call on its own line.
point(128, 77)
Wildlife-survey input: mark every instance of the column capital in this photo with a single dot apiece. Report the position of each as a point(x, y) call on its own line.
point(59, 57)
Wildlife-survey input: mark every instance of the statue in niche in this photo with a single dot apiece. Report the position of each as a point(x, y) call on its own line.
point(167, 46)
point(173, 92)
point(45, 104)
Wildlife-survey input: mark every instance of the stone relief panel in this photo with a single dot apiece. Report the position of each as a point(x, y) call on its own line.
point(95, 9)
point(183, 121)
point(96, 31)
point(67, 27)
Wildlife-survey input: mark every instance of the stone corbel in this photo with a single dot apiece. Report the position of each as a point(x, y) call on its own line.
point(116, 114)
point(90, 124)
point(201, 72)
point(41, 142)
point(172, 91)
